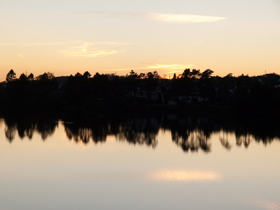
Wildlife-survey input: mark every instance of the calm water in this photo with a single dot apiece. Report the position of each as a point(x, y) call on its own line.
point(141, 163)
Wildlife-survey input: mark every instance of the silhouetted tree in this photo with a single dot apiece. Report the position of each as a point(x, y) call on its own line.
point(206, 74)
point(228, 75)
point(45, 76)
point(186, 74)
point(96, 75)
point(86, 75)
point(195, 73)
point(153, 75)
point(132, 75)
point(23, 78)
point(11, 76)
point(78, 75)
point(30, 77)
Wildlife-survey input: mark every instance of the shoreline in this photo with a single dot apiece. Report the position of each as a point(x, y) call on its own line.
point(132, 109)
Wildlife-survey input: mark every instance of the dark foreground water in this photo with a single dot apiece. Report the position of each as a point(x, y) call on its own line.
point(139, 163)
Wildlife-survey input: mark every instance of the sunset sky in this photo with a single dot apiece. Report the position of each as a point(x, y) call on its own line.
point(115, 36)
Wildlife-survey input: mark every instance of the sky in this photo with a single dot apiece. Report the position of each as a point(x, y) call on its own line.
point(115, 36)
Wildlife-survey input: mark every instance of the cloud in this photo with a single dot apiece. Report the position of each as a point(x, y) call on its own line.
point(31, 43)
point(163, 17)
point(185, 18)
point(76, 48)
point(26, 44)
point(86, 50)
point(113, 43)
point(185, 175)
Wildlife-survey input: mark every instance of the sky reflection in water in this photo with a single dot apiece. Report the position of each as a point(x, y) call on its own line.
point(143, 167)
point(267, 205)
point(185, 175)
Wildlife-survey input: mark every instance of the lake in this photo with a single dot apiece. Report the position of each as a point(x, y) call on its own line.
point(163, 162)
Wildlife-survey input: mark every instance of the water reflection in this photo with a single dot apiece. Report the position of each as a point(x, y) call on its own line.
point(139, 131)
point(224, 141)
point(26, 128)
point(191, 134)
point(185, 175)
point(268, 205)
point(97, 133)
point(1, 122)
point(191, 140)
point(133, 131)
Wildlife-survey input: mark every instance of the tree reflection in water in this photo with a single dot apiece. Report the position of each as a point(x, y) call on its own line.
point(97, 132)
point(134, 131)
point(139, 131)
point(224, 141)
point(10, 130)
point(188, 132)
point(26, 128)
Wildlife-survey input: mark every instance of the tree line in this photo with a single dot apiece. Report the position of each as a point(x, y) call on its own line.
point(103, 92)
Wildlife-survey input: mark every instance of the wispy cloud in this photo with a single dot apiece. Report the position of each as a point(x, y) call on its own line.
point(31, 43)
point(76, 48)
point(87, 50)
point(185, 18)
point(26, 44)
point(113, 43)
point(163, 17)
